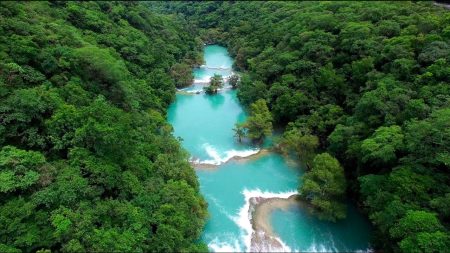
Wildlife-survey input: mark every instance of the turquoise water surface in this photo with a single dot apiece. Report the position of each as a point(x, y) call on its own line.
point(205, 124)
point(300, 230)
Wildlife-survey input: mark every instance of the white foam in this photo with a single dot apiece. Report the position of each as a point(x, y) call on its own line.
point(207, 79)
point(219, 246)
point(216, 68)
point(204, 80)
point(226, 78)
point(217, 159)
point(219, 206)
point(198, 91)
point(368, 250)
point(314, 247)
point(243, 219)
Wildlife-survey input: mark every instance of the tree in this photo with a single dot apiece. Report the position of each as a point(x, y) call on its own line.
point(434, 51)
point(240, 131)
point(259, 123)
point(442, 205)
point(233, 80)
point(426, 242)
point(323, 120)
point(421, 231)
point(106, 163)
point(19, 169)
point(301, 142)
point(289, 106)
point(324, 187)
point(414, 222)
point(249, 91)
point(382, 146)
point(391, 196)
point(215, 83)
point(427, 140)
point(182, 74)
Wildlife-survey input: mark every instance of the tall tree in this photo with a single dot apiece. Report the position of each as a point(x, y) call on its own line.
point(420, 231)
point(301, 142)
point(324, 187)
point(234, 81)
point(215, 83)
point(259, 123)
point(240, 131)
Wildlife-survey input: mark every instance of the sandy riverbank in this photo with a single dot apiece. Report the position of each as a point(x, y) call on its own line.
point(263, 237)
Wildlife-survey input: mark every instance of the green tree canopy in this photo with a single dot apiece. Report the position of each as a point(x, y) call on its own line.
point(324, 186)
point(215, 83)
point(301, 142)
point(87, 159)
point(259, 123)
point(421, 231)
point(383, 145)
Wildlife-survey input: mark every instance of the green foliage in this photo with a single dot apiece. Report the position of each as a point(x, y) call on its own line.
point(301, 142)
point(19, 169)
point(383, 144)
point(87, 159)
point(215, 83)
point(420, 231)
point(391, 196)
point(259, 124)
point(323, 120)
point(427, 140)
point(182, 74)
point(324, 186)
point(7, 249)
point(240, 131)
point(248, 90)
point(426, 242)
point(234, 81)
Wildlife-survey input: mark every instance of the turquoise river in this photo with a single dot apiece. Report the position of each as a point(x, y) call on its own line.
point(205, 125)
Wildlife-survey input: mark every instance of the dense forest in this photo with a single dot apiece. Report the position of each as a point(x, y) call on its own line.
point(365, 86)
point(87, 159)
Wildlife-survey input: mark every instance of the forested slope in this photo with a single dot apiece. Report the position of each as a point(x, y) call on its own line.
point(370, 82)
point(87, 159)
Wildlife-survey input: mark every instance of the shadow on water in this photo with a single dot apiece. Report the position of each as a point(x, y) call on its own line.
point(216, 100)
